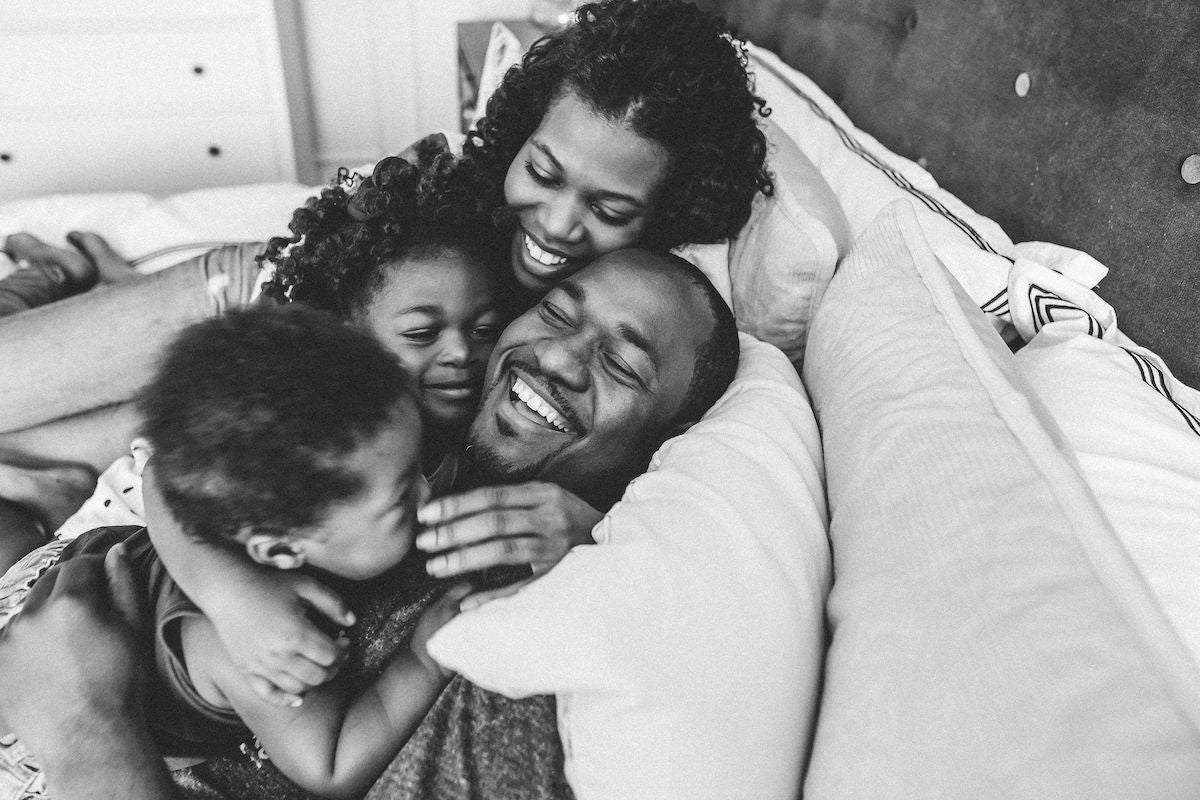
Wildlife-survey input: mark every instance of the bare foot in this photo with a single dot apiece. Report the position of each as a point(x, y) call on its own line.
point(49, 494)
point(111, 266)
point(27, 249)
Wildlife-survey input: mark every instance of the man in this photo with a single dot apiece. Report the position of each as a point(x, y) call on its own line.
point(582, 389)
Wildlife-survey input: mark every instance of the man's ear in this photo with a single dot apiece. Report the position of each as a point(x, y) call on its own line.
point(273, 549)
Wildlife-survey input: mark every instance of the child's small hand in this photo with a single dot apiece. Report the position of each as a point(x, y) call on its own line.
point(271, 638)
point(444, 609)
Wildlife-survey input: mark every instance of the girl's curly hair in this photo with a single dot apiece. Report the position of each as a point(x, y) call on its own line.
point(676, 75)
point(341, 239)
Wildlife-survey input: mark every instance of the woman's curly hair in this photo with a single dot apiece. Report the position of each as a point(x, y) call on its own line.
point(676, 75)
point(341, 239)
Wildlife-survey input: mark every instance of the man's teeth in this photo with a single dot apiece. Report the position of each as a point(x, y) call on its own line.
point(540, 255)
point(530, 398)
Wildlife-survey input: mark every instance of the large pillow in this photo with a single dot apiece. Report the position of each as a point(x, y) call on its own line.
point(1134, 428)
point(685, 648)
point(989, 635)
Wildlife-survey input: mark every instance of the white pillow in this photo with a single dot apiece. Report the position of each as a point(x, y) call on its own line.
point(989, 636)
point(685, 648)
point(866, 176)
point(1134, 427)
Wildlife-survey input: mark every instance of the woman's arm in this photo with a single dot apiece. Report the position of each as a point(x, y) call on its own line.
point(333, 744)
point(260, 614)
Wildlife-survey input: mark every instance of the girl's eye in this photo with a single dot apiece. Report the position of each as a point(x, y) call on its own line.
point(553, 314)
point(538, 176)
point(486, 333)
point(421, 335)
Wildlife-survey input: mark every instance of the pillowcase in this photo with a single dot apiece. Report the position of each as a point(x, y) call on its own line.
point(989, 635)
point(783, 258)
point(1133, 427)
point(685, 647)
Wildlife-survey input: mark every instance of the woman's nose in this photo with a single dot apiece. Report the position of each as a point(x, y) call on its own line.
point(561, 220)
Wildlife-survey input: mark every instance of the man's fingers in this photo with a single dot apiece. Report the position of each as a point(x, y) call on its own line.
point(479, 527)
point(493, 553)
point(453, 506)
point(479, 598)
point(272, 693)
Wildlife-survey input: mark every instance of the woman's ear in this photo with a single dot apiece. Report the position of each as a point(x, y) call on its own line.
point(275, 550)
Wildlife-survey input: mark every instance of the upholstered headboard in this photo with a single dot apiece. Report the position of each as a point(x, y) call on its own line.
point(1071, 121)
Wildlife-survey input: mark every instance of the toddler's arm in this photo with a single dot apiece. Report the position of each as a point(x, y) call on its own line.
point(260, 614)
point(333, 744)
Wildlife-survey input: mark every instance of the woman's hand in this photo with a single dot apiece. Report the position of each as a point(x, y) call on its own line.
point(528, 523)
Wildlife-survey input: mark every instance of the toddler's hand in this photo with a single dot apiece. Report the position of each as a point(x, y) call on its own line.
point(444, 609)
point(271, 637)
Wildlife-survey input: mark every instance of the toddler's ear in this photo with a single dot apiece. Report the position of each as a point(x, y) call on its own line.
point(272, 549)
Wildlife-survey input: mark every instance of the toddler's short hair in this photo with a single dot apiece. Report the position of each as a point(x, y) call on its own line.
point(251, 416)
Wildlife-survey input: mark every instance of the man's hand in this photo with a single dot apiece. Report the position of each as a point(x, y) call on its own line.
point(529, 523)
point(73, 676)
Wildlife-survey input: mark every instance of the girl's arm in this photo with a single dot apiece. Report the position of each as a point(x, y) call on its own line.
point(260, 614)
point(333, 744)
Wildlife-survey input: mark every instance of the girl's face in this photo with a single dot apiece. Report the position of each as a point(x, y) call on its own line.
point(439, 315)
point(582, 186)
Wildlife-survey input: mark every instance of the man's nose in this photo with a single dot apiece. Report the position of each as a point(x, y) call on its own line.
point(565, 359)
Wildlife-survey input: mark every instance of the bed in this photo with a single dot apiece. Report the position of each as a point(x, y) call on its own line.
point(938, 567)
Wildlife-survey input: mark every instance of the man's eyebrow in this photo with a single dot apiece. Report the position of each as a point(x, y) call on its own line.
point(554, 162)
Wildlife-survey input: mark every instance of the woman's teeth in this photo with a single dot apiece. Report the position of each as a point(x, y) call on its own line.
point(530, 398)
point(541, 256)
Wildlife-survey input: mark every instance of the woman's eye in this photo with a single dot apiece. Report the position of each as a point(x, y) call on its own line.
point(609, 218)
point(538, 176)
point(421, 336)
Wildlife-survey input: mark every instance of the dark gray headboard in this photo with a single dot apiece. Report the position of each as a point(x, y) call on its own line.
point(1093, 150)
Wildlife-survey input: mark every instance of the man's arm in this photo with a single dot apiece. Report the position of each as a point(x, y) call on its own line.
point(72, 688)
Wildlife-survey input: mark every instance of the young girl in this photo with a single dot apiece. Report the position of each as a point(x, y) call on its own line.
point(414, 254)
point(305, 455)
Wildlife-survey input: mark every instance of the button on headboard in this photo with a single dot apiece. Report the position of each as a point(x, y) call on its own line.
point(1072, 121)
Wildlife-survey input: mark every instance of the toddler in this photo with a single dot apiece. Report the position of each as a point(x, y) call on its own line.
point(290, 440)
